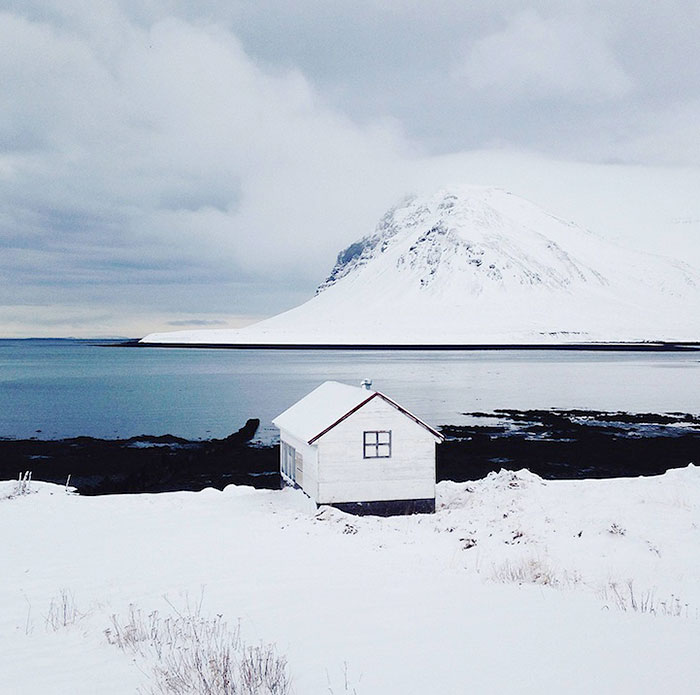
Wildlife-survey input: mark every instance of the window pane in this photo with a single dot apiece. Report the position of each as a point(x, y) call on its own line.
point(384, 450)
point(288, 461)
point(384, 437)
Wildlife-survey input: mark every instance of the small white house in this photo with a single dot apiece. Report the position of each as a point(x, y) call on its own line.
point(358, 450)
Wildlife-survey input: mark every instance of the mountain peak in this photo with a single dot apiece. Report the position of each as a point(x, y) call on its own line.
point(485, 236)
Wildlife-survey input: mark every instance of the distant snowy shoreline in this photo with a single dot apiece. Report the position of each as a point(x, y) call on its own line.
point(590, 347)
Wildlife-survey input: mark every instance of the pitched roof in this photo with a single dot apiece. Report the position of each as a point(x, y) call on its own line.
point(328, 405)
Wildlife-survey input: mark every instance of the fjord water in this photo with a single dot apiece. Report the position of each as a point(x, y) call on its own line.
point(67, 388)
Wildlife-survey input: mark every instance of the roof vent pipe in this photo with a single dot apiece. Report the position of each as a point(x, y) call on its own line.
point(366, 384)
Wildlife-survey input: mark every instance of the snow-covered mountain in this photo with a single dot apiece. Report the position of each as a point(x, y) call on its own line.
point(474, 265)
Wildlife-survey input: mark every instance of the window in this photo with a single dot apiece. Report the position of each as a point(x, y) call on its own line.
point(377, 444)
point(289, 461)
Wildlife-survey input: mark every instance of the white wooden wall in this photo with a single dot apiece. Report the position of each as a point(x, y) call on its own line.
point(343, 475)
point(309, 480)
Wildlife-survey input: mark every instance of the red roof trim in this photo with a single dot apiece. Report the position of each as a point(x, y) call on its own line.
point(412, 416)
point(367, 400)
point(339, 420)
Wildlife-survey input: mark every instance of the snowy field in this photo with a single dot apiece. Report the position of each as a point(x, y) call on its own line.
point(515, 585)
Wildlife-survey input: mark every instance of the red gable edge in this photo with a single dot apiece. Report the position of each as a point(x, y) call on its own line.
point(367, 400)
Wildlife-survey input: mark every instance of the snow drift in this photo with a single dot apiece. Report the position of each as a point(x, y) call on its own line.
point(515, 585)
point(473, 265)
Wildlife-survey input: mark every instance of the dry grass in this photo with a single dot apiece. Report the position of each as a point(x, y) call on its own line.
point(530, 571)
point(616, 530)
point(23, 485)
point(192, 654)
point(626, 597)
point(62, 611)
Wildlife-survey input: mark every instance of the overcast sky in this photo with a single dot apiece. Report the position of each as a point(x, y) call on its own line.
point(170, 164)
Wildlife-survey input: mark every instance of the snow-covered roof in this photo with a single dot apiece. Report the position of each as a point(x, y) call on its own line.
point(326, 406)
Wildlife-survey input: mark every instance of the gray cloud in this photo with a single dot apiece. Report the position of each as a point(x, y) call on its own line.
point(166, 158)
point(570, 68)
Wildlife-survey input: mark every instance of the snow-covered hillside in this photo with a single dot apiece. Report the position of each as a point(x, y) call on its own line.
point(514, 585)
point(474, 265)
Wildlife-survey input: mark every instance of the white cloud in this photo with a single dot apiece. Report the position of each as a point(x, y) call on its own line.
point(536, 57)
point(101, 321)
point(668, 133)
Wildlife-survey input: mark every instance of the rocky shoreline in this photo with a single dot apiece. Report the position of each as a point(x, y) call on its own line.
point(569, 444)
point(554, 444)
point(145, 463)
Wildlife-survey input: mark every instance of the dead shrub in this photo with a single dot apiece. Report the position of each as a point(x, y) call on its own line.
point(195, 655)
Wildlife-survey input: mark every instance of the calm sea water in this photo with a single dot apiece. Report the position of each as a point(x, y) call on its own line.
point(76, 387)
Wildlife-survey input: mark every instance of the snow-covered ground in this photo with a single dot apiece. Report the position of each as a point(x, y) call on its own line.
point(515, 585)
point(475, 265)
